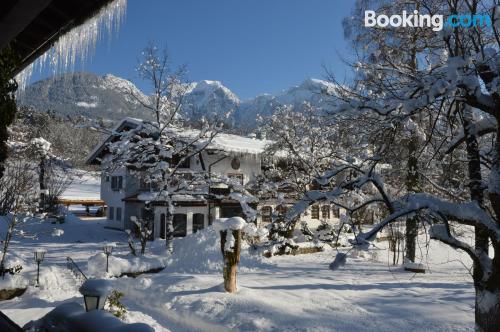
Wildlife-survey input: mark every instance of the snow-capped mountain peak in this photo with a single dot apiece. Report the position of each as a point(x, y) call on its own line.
point(110, 97)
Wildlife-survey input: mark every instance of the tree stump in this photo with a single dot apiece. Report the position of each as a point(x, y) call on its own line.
point(231, 256)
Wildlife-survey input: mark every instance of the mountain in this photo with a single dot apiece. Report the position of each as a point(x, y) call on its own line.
point(85, 94)
point(313, 91)
point(109, 97)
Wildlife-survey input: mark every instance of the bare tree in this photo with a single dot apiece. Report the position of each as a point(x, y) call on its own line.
point(17, 196)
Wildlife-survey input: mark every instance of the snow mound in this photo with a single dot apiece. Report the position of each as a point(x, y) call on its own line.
point(123, 264)
point(10, 281)
point(96, 287)
point(201, 253)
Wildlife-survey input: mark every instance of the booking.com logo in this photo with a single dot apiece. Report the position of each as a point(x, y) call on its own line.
point(415, 20)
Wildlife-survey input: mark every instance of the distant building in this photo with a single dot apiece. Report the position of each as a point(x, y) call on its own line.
point(232, 156)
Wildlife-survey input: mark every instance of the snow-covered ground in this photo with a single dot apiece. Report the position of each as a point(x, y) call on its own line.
point(85, 185)
point(288, 293)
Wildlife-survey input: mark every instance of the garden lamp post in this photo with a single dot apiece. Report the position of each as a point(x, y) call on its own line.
point(95, 292)
point(39, 255)
point(108, 249)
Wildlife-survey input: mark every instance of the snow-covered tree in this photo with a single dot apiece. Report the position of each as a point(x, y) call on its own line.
point(456, 77)
point(156, 150)
point(8, 88)
point(305, 143)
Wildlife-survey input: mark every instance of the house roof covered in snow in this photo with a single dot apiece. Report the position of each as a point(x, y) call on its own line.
point(229, 143)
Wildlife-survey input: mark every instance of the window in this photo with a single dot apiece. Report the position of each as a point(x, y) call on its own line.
point(163, 225)
point(116, 183)
point(266, 213)
point(315, 212)
point(237, 177)
point(180, 225)
point(107, 178)
point(119, 213)
point(325, 212)
point(198, 222)
point(111, 213)
point(336, 211)
point(281, 209)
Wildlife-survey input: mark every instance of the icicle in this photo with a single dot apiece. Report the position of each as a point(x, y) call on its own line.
point(79, 43)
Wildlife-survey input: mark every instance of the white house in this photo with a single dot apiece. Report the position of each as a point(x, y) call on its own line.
point(227, 155)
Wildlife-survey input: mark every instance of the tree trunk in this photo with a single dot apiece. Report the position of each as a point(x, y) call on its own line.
point(476, 190)
point(487, 309)
point(412, 185)
point(169, 231)
point(41, 182)
point(231, 259)
point(487, 314)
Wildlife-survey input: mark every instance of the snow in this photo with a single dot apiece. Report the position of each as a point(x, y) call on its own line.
point(234, 223)
point(297, 293)
point(71, 316)
point(238, 144)
point(96, 287)
point(10, 281)
point(86, 105)
point(205, 246)
point(413, 266)
point(480, 127)
point(206, 89)
point(85, 185)
point(225, 142)
point(282, 293)
point(119, 264)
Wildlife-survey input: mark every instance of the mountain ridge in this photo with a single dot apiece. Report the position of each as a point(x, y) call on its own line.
point(108, 97)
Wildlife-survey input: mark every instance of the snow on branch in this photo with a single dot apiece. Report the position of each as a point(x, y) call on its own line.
point(480, 128)
point(466, 213)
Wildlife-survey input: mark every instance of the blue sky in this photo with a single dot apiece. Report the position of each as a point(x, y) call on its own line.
point(252, 46)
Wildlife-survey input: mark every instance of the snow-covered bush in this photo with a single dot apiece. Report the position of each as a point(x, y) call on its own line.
point(254, 235)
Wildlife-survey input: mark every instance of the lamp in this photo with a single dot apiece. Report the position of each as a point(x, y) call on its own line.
point(95, 292)
point(108, 249)
point(93, 302)
point(39, 255)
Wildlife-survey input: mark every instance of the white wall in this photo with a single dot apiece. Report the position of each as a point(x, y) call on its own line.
point(114, 198)
point(250, 165)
